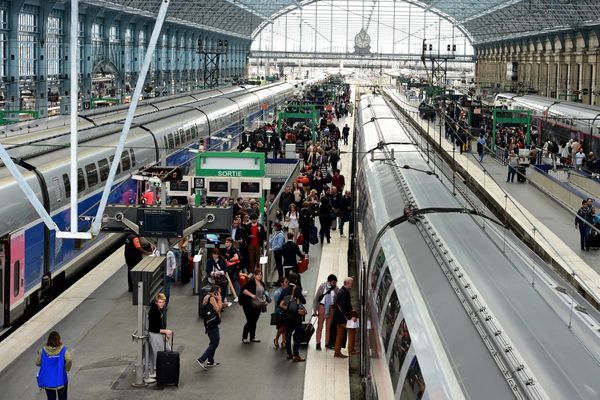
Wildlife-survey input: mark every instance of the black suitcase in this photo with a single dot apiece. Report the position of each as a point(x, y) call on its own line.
point(167, 366)
point(521, 171)
point(594, 239)
point(307, 331)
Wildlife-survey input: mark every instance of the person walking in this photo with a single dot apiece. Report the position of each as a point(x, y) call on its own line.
point(54, 360)
point(581, 222)
point(324, 308)
point(343, 312)
point(233, 262)
point(293, 320)
point(157, 327)
point(276, 243)
point(253, 294)
point(481, 142)
point(346, 133)
point(345, 211)
point(306, 222)
point(513, 163)
point(256, 236)
point(212, 305)
point(290, 251)
point(215, 270)
point(325, 212)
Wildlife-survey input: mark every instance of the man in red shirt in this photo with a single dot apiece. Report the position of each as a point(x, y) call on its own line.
point(256, 238)
point(338, 181)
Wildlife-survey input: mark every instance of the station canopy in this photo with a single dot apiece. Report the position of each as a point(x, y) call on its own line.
point(482, 20)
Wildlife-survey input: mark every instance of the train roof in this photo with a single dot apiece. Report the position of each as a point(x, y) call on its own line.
point(532, 322)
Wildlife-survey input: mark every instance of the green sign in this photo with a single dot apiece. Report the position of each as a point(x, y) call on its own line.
point(231, 165)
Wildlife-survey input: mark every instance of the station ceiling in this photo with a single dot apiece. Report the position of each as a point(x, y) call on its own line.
point(483, 20)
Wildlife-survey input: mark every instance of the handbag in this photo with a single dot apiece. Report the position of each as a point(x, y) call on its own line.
point(290, 304)
point(302, 265)
point(277, 319)
point(259, 303)
point(300, 240)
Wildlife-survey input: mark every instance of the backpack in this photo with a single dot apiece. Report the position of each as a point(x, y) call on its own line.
point(209, 315)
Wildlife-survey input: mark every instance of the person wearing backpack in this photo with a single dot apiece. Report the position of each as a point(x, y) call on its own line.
point(211, 314)
point(324, 308)
point(54, 361)
point(292, 302)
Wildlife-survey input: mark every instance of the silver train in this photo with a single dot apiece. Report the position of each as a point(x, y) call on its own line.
point(449, 308)
point(558, 120)
point(30, 255)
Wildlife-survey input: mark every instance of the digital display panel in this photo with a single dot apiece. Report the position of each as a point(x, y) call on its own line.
point(161, 223)
point(250, 187)
point(218, 186)
point(179, 186)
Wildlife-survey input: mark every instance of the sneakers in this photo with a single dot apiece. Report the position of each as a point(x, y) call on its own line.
point(150, 380)
point(228, 304)
point(245, 341)
point(255, 340)
point(153, 376)
point(203, 364)
point(206, 365)
point(236, 300)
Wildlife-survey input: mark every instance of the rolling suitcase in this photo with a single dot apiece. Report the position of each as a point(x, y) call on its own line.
point(521, 175)
point(167, 366)
point(308, 330)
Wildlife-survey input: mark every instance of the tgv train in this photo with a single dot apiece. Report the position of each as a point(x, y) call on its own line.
point(558, 120)
point(30, 254)
point(448, 306)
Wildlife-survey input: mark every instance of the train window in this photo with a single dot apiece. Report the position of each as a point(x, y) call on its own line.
point(391, 312)
point(67, 183)
point(171, 141)
point(194, 130)
point(188, 134)
point(166, 144)
point(92, 174)
point(104, 169)
point(118, 165)
point(1, 286)
point(177, 139)
point(414, 385)
point(80, 180)
point(379, 262)
point(382, 290)
point(399, 351)
point(16, 278)
point(132, 153)
point(125, 163)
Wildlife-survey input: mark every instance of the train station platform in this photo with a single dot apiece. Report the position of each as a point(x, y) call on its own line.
point(534, 213)
point(96, 319)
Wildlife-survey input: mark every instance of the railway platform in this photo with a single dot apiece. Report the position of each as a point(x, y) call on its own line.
point(534, 212)
point(96, 319)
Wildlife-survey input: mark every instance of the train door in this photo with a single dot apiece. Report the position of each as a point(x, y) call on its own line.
point(17, 267)
point(3, 281)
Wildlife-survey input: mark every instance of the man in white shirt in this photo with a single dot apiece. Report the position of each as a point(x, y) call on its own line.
point(323, 308)
point(579, 159)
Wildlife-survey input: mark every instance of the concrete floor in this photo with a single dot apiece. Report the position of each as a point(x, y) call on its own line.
point(99, 332)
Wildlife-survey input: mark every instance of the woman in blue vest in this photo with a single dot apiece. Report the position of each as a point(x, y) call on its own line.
point(54, 361)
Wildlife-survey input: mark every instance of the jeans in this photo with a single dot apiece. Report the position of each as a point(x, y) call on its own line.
point(57, 394)
point(584, 236)
point(278, 256)
point(511, 174)
point(294, 328)
point(214, 339)
point(168, 281)
point(252, 314)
